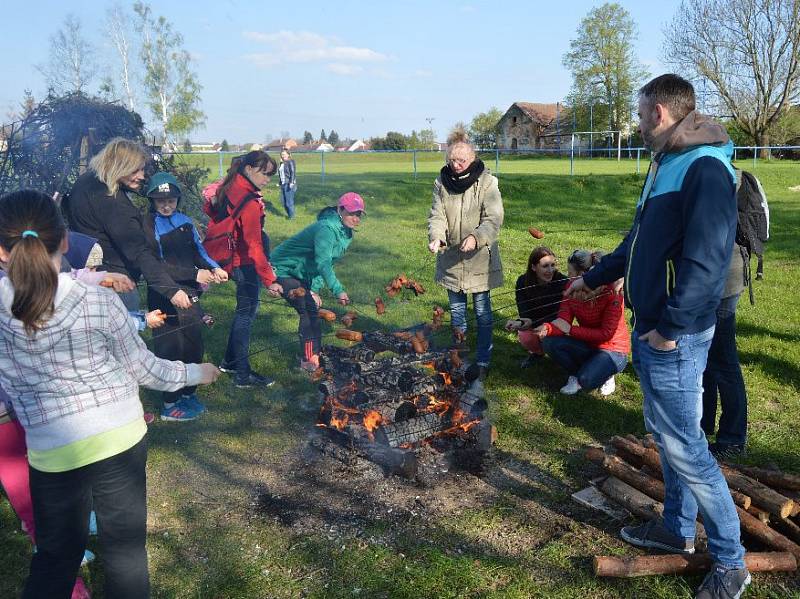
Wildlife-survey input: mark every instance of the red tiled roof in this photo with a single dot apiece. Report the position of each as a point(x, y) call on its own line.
point(539, 113)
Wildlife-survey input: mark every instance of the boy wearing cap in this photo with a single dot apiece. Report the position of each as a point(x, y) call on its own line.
point(306, 261)
point(177, 243)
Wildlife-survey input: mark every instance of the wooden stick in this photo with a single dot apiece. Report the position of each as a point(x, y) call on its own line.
point(773, 478)
point(766, 498)
point(628, 567)
point(631, 499)
point(758, 530)
point(759, 513)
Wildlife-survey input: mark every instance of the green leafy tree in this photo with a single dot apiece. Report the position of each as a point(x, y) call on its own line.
point(171, 87)
point(333, 138)
point(307, 138)
point(322, 137)
point(225, 146)
point(748, 50)
point(393, 141)
point(484, 128)
point(605, 72)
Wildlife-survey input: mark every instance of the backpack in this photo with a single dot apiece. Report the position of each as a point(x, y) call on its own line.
point(752, 222)
point(220, 241)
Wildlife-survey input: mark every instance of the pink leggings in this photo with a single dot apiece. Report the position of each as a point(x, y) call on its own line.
point(14, 479)
point(531, 342)
point(14, 473)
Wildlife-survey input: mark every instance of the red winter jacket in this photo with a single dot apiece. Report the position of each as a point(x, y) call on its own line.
point(248, 233)
point(600, 322)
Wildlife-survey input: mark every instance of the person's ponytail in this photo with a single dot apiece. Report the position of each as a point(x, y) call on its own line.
point(31, 231)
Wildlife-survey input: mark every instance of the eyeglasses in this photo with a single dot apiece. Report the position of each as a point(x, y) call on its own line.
point(459, 161)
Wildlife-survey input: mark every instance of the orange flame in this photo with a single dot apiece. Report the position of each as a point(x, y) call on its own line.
point(446, 378)
point(372, 420)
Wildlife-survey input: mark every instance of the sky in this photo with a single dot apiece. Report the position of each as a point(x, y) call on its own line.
point(361, 68)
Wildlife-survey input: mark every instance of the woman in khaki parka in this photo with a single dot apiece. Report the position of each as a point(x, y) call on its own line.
point(463, 227)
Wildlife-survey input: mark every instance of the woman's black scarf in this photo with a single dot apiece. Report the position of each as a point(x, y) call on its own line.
point(459, 183)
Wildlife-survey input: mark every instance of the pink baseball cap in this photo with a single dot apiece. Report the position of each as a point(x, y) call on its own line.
point(352, 202)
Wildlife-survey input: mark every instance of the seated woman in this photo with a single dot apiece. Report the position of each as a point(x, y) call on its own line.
point(538, 297)
point(596, 348)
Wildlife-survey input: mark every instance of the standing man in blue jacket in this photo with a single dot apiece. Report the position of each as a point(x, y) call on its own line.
point(675, 260)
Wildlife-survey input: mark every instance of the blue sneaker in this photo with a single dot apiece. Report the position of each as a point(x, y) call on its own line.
point(193, 402)
point(179, 412)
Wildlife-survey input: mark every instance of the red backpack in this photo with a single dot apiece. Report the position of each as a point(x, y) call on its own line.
point(220, 241)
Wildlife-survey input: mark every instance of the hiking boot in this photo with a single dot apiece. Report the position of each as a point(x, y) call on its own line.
point(724, 583)
point(608, 387)
point(654, 535)
point(572, 386)
point(529, 361)
point(194, 402)
point(252, 379)
point(178, 412)
point(724, 451)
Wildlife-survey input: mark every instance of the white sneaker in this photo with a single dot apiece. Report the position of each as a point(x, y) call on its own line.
point(608, 387)
point(572, 386)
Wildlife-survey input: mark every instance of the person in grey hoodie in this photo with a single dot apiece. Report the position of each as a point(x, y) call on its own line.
point(71, 362)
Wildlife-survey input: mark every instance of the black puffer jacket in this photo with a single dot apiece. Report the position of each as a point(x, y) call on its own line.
point(117, 225)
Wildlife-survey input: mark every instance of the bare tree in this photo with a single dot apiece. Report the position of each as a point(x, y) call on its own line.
point(748, 50)
point(117, 25)
point(70, 67)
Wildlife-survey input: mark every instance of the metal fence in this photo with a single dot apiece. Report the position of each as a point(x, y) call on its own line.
point(574, 161)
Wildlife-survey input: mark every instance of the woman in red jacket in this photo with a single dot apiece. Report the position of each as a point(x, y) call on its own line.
point(250, 267)
point(596, 347)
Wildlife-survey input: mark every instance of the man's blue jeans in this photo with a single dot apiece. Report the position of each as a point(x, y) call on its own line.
point(248, 286)
point(592, 366)
point(671, 383)
point(482, 304)
point(724, 374)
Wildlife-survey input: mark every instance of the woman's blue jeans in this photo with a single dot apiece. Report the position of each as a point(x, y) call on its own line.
point(287, 197)
point(673, 401)
point(248, 286)
point(592, 366)
point(482, 304)
point(724, 375)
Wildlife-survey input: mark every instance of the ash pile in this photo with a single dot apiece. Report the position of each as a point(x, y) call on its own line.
point(397, 402)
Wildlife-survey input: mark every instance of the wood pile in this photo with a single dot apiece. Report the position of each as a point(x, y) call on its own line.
point(766, 501)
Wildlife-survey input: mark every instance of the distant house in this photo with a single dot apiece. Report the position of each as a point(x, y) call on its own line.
point(357, 145)
point(205, 146)
point(276, 145)
point(531, 126)
point(324, 147)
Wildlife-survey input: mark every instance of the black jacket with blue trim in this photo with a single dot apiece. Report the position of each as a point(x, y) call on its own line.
point(675, 257)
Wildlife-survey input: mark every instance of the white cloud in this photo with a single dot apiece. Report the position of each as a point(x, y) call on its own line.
point(345, 69)
point(303, 47)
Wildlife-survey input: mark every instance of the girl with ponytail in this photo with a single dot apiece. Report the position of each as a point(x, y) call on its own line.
point(71, 362)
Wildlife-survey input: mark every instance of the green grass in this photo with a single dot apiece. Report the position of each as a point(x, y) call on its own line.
point(514, 532)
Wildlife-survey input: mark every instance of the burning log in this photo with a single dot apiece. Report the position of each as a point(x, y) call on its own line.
point(348, 335)
point(650, 565)
point(410, 431)
point(472, 405)
point(771, 500)
point(327, 315)
point(380, 307)
point(773, 478)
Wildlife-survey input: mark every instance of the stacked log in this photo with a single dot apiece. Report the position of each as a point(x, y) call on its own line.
point(765, 503)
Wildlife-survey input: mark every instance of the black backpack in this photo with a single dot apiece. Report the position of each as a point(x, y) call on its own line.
point(752, 224)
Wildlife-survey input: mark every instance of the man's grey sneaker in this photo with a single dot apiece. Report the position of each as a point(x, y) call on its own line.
point(724, 583)
point(654, 535)
point(252, 379)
